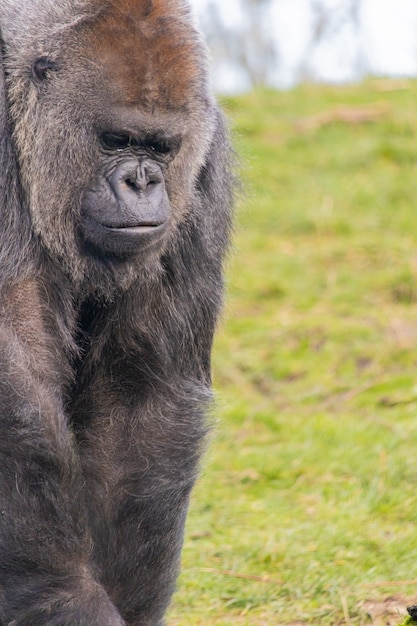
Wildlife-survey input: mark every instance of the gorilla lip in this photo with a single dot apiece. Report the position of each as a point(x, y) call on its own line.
point(140, 229)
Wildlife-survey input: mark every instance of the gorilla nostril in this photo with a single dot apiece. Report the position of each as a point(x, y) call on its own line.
point(131, 183)
point(137, 184)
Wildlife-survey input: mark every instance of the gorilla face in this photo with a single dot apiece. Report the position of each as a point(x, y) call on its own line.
point(127, 211)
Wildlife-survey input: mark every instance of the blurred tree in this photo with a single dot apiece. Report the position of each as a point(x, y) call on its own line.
point(335, 23)
point(249, 46)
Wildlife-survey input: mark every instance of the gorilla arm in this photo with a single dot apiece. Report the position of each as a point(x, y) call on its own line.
point(45, 576)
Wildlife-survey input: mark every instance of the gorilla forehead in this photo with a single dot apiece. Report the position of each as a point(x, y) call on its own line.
point(148, 51)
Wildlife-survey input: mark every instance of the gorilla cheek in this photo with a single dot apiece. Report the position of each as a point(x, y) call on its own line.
point(128, 212)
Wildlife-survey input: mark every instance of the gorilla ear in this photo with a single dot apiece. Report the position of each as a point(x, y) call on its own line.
point(3, 104)
point(40, 69)
point(15, 227)
point(7, 166)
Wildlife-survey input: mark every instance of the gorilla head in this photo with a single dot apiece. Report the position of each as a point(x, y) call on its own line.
point(108, 109)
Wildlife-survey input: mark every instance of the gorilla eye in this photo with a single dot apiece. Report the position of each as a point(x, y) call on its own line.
point(41, 67)
point(161, 147)
point(111, 141)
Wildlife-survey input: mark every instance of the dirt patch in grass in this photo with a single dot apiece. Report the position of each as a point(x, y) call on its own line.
point(390, 611)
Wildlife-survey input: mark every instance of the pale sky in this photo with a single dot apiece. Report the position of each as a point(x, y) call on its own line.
point(388, 38)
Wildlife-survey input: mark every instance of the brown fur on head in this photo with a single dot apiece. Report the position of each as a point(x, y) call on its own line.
point(148, 54)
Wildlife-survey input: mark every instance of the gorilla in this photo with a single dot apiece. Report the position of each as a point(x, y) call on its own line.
point(116, 189)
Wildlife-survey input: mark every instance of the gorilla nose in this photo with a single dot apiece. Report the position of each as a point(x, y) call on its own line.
point(133, 176)
point(140, 196)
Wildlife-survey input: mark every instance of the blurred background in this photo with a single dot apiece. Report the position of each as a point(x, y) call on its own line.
point(306, 510)
point(282, 42)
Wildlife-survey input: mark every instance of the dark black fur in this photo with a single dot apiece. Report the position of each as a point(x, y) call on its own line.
point(103, 392)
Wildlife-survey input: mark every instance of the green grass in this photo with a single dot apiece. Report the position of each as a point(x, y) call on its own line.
point(408, 622)
point(306, 511)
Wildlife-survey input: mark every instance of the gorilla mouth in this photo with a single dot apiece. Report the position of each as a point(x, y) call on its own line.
point(122, 239)
point(139, 229)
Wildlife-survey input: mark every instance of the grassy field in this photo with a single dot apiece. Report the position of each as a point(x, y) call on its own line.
point(306, 512)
